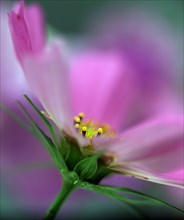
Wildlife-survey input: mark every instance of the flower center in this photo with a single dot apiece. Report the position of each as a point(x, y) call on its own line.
point(90, 129)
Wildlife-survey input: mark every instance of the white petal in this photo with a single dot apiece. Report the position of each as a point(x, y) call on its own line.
point(47, 75)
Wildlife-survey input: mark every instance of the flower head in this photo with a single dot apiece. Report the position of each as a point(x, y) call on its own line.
point(99, 85)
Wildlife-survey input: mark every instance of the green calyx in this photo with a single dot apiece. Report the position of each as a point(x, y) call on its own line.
point(88, 165)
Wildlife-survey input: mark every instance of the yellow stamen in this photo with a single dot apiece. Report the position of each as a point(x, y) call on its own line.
point(84, 128)
point(100, 130)
point(90, 129)
point(77, 119)
point(77, 126)
point(81, 115)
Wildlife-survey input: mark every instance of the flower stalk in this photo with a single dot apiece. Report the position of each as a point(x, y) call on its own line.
point(67, 188)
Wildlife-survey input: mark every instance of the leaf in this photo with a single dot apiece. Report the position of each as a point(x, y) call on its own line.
point(130, 207)
point(145, 197)
point(14, 116)
point(114, 192)
point(45, 141)
point(87, 167)
point(44, 119)
point(135, 211)
point(20, 121)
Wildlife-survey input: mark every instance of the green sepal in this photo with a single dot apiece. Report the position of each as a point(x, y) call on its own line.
point(44, 119)
point(64, 147)
point(87, 167)
point(73, 154)
point(102, 172)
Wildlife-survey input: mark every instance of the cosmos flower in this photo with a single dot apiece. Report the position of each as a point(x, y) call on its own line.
point(89, 102)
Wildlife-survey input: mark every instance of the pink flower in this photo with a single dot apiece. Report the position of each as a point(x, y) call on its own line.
point(99, 84)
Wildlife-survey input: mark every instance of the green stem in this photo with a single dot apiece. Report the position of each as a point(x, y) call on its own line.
point(66, 190)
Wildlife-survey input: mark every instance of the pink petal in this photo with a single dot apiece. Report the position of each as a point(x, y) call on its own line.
point(13, 83)
point(100, 87)
point(153, 150)
point(177, 175)
point(47, 74)
point(36, 26)
point(19, 32)
point(27, 29)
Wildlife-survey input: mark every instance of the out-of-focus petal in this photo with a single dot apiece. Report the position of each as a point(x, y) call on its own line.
point(100, 87)
point(27, 29)
point(152, 49)
point(177, 175)
point(153, 150)
point(19, 32)
point(13, 83)
point(47, 75)
point(36, 27)
point(146, 41)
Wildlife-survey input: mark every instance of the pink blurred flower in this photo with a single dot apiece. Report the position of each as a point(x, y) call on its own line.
point(101, 87)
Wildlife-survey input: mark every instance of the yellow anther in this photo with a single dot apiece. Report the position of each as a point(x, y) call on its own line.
point(84, 128)
point(77, 126)
point(100, 130)
point(81, 115)
point(77, 119)
point(90, 129)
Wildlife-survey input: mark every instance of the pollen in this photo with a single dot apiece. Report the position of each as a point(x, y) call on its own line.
point(90, 129)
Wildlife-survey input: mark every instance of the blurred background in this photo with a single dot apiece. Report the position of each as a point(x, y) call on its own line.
point(149, 35)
